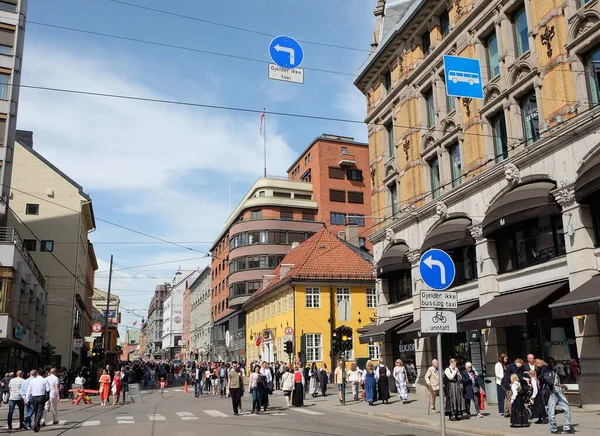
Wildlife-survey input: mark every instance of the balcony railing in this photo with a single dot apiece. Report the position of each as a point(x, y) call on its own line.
point(10, 236)
point(347, 159)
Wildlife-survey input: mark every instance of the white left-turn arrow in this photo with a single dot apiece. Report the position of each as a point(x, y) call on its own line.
point(288, 50)
point(430, 262)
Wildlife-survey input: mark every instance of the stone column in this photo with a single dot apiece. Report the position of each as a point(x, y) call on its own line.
point(582, 265)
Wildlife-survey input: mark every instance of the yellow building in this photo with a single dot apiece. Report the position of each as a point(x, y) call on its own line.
point(299, 301)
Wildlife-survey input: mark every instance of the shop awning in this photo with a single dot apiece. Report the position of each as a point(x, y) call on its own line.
point(377, 333)
point(530, 200)
point(588, 179)
point(585, 300)
point(393, 259)
point(451, 233)
point(515, 308)
point(412, 331)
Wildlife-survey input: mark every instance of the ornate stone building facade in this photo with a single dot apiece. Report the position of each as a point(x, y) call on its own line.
point(508, 185)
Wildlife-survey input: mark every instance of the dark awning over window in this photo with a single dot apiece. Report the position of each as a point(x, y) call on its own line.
point(588, 180)
point(452, 233)
point(515, 308)
point(530, 200)
point(585, 300)
point(377, 333)
point(393, 259)
point(412, 331)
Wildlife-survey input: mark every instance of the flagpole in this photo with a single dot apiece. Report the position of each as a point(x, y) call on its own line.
point(265, 140)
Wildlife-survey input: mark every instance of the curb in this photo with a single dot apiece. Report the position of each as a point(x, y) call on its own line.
point(425, 423)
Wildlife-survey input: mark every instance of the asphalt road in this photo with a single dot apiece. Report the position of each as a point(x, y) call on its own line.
point(182, 414)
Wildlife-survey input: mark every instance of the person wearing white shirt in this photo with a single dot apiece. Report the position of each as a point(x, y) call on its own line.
point(354, 377)
point(266, 372)
point(37, 389)
point(15, 399)
point(28, 405)
point(52, 405)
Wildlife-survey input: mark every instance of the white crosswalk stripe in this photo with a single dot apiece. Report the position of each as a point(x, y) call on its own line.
point(157, 417)
point(125, 420)
point(307, 411)
point(186, 416)
point(215, 414)
point(89, 423)
point(177, 390)
point(61, 423)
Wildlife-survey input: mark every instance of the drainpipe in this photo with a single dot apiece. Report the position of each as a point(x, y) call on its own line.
point(295, 350)
point(331, 325)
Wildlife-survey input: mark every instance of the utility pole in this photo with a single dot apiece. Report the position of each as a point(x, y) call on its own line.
point(106, 335)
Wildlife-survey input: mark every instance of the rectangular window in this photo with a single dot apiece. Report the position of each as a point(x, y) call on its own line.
point(282, 194)
point(7, 40)
point(30, 244)
point(303, 196)
point(349, 354)
point(308, 216)
point(430, 107)
point(291, 299)
point(499, 136)
point(342, 294)
point(356, 197)
point(359, 220)
point(32, 209)
point(336, 173)
point(257, 214)
point(389, 128)
point(286, 214)
point(279, 306)
point(373, 352)
point(261, 193)
point(444, 23)
point(434, 173)
point(387, 81)
point(531, 124)
point(314, 347)
point(336, 195)
point(355, 175)
point(371, 298)
point(344, 150)
point(455, 164)
point(4, 80)
point(284, 303)
point(521, 31)
point(394, 202)
point(47, 246)
point(493, 58)
point(593, 76)
point(400, 286)
point(2, 130)
point(338, 219)
point(426, 43)
point(362, 242)
point(8, 5)
point(450, 103)
point(313, 298)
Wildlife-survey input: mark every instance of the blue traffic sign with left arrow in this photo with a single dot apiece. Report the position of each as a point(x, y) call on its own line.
point(286, 52)
point(437, 269)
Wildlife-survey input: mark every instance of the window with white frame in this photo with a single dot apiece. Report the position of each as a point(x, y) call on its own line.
point(313, 298)
point(314, 347)
point(284, 303)
point(371, 298)
point(373, 351)
point(279, 306)
point(342, 294)
point(291, 300)
point(279, 347)
point(349, 354)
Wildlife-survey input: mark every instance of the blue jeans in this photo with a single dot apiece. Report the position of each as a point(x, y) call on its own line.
point(557, 398)
point(28, 414)
point(11, 409)
point(198, 388)
point(256, 400)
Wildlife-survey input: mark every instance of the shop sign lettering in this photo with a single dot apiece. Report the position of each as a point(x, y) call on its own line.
point(407, 348)
point(559, 343)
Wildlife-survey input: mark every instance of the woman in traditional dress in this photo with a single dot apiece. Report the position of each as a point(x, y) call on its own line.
point(370, 383)
point(453, 391)
point(298, 395)
point(383, 384)
point(104, 388)
point(538, 411)
point(400, 376)
point(518, 415)
point(313, 376)
point(323, 379)
point(116, 388)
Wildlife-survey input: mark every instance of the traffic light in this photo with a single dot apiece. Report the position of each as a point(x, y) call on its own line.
point(289, 347)
point(336, 340)
point(346, 338)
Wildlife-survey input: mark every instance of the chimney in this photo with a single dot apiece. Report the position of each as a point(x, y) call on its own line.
point(379, 14)
point(266, 279)
point(351, 233)
point(342, 235)
point(295, 245)
point(284, 268)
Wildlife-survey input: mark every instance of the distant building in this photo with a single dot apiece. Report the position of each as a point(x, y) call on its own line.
point(99, 300)
point(155, 322)
point(200, 320)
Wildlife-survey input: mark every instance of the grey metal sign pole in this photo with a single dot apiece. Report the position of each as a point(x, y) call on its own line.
point(441, 391)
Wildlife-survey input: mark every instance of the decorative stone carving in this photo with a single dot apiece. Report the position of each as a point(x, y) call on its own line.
point(546, 38)
point(586, 24)
point(466, 102)
point(406, 147)
point(373, 172)
point(441, 210)
point(413, 257)
point(400, 63)
point(512, 174)
point(369, 100)
point(390, 235)
point(565, 196)
point(458, 8)
point(476, 231)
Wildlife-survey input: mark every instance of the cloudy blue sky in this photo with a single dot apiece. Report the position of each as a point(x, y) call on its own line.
point(167, 170)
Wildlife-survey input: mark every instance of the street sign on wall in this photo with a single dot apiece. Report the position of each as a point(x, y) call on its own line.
point(438, 321)
point(437, 269)
point(463, 77)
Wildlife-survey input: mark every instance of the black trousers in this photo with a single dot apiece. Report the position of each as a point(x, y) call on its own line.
point(38, 410)
point(124, 389)
point(236, 399)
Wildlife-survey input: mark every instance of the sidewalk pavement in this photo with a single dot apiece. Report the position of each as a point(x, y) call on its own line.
point(414, 412)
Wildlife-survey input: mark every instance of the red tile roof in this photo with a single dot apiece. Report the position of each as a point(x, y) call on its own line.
point(323, 256)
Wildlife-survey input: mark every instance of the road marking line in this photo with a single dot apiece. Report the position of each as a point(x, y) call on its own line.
point(308, 412)
point(215, 414)
point(125, 420)
point(177, 390)
point(186, 416)
point(279, 414)
point(88, 423)
point(157, 417)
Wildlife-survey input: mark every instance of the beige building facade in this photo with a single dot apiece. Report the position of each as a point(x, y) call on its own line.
point(54, 217)
point(506, 184)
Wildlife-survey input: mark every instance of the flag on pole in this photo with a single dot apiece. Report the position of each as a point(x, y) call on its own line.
point(262, 121)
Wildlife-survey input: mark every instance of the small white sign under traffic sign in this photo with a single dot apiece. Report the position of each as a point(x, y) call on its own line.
point(438, 321)
point(294, 75)
point(89, 339)
point(96, 335)
point(439, 300)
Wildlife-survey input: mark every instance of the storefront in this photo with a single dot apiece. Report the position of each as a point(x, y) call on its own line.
point(229, 336)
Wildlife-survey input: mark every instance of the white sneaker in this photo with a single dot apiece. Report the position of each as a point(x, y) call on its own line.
point(479, 415)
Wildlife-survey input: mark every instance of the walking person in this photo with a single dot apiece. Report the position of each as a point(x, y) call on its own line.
point(298, 395)
point(104, 390)
point(287, 385)
point(550, 382)
point(116, 388)
point(124, 382)
point(401, 379)
point(16, 400)
point(382, 374)
point(323, 379)
point(37, 391)
point(234, 385)
point(518, 415)
point(470, 381)
point(432, 380)
point(338, 376)
point(163, 386)
point(52, 405)
point(370, 383)
point(313, 376)
point(266, 385)
point(499, 371)
point(254, 389)
point(354, 377)
point(27, 402)
point(222, 380)
point(514, 368)
point(453, 392)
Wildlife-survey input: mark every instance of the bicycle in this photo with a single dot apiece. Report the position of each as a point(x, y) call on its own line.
point(439, 317)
